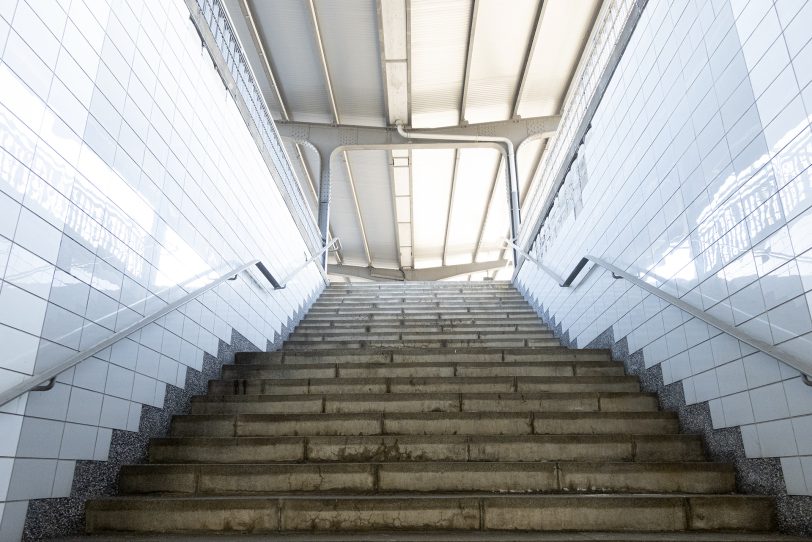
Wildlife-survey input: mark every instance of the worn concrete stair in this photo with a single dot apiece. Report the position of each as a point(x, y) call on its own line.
point(443, 407)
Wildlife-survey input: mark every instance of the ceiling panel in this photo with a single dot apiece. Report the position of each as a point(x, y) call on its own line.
point(565, 25)
point(497, 223)
point(501, 39)
point(527, 159)
point(349, 32)
point(432, 170)
point(343, 217)
point(475, 175)
point(370, 171)
point(438, 45)
point(289, 37)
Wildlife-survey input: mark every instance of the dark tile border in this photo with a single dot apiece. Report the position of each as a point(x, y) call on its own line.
point(65, 516)
point(761, 476)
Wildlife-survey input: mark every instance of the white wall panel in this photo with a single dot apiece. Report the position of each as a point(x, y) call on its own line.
point(695, 177)
point(127, 177)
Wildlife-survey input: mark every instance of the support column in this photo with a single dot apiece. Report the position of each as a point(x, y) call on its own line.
point(324, 207)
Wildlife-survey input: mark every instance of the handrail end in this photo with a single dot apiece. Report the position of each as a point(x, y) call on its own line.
point(49, 384)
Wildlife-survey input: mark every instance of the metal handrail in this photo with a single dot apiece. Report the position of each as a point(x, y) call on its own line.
point(327, 247)
point(46, 379)
point(793, 361)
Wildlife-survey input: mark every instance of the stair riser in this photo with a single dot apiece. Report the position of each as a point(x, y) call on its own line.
point(443, 317)
point(492, 424)
point(327, 326)
point(420, 308)
point(525, 314)
point(550, 513)
point(438, 403)
point(443, 448)
point(545, 477)
point(433, 356)
point(567, 384)
point(327, 330)
point(472, 335)
point(421, 343)
point(231, 372)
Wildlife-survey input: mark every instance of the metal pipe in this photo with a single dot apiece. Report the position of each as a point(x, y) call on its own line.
point(513, 182)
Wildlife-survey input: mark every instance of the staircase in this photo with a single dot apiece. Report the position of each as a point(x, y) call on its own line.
point(441, 407)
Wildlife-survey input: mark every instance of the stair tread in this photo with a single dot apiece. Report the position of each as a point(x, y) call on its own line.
point(456, 536)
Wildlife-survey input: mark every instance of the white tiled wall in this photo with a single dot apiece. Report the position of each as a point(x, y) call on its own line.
point(127, 176)
point(695, 176)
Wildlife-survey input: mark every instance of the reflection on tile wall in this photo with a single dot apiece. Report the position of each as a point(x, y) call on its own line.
point(697, 179)
point(127, 176)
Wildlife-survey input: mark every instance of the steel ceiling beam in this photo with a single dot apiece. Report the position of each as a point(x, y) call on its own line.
point(534, 171)
point(427, 274)
point(411, 203)
point(451, 201)
point(357, 207)
point(330, 139)
point(487, 209)
point(391, 172)
point(325, 68)
point(531, 48)
point(469, 53)
point(394, 53)
point(327, 137)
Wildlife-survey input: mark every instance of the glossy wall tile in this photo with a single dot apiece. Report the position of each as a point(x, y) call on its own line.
point(695, 176)
point(127, 177)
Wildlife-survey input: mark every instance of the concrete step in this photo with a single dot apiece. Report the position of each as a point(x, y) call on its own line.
point(427, 292)
point(417, 325)
point(425, 423)
point(427, 306)
point(460, 286)
point(417, 305)
point(449, 536)
point(434, 369)
point(405, 336)
point(538, 477)
point(411, 299)
point(441, 314)
point(444, 314)
point(386, 306)
point(325, 328)
point(398, 385)
point(427, 448)
point(496, 324)
point(424, 402)
point(443, 512)
point(431, 355)
point(422, 343)
point(419, 299)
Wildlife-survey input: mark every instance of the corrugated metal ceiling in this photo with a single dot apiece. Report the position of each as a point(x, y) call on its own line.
point(513, 67)
point(438, 46)
point(349, 29)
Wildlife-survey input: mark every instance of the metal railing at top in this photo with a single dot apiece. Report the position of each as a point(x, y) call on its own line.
point(45, 380)
point(228, 44)
point(804, 366)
